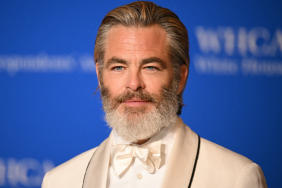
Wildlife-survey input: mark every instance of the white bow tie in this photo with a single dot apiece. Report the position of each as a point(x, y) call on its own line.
point(149, 155)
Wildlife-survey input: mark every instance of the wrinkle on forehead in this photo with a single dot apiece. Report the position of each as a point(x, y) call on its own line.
point(134, 40)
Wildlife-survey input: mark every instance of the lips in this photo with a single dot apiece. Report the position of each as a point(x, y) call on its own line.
point(134, 99)
point(135, 102)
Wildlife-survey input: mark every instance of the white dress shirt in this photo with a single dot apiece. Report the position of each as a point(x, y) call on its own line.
point(135, 176)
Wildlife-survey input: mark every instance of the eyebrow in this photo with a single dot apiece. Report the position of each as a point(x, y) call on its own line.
point(154, 60)
point(114, 60)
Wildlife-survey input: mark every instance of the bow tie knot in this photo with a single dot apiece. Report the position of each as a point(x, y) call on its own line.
point(149, 155)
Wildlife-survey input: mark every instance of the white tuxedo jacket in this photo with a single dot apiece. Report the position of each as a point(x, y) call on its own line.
point(217, 167)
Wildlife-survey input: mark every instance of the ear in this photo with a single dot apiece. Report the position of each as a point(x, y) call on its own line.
point(183, 77)
point(97, 72)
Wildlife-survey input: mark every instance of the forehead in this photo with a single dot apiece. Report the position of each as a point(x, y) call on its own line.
point(136, 42)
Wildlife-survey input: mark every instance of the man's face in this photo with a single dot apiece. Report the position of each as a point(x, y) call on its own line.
point(136, 59)
point(137, 87)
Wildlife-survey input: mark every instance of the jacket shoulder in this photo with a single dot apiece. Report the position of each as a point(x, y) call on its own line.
point(221, 154)
point(227, 167)
point(69, 174)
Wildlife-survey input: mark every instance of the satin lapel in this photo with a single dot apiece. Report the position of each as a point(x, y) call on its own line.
point(181, 160)
point(97, 171)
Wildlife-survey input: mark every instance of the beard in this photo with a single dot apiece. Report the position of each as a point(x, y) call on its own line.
point(140, 123)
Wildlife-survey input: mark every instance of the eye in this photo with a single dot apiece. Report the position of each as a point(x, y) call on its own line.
point(151, 68)
point(118, 68)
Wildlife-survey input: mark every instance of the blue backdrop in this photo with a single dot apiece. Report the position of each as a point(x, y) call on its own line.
point(48, 113)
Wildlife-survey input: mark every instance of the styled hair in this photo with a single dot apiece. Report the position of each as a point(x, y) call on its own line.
point(146, 14)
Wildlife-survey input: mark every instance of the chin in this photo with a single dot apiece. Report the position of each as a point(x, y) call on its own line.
point(134, 124)
point(140, 110)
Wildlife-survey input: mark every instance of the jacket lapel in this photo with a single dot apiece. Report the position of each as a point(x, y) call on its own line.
point(181, 160)
point(97, 170)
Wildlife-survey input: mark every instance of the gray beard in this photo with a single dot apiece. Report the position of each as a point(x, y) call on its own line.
point(134, 124)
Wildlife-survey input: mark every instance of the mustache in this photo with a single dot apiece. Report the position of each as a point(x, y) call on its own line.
point(112, 103)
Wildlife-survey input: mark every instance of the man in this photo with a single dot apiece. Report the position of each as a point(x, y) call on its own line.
point(142, 63)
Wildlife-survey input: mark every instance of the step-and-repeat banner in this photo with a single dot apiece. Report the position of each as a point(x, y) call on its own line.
point(48, 113)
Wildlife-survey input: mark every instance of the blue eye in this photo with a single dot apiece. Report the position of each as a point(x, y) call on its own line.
point(151, 68)
point(118, 68)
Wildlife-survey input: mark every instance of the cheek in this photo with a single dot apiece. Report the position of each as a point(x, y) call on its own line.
point(155, 85)
point(113, 85)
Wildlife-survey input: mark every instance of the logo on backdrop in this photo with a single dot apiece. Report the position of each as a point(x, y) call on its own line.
point(233, 51)
point(46, 63)
point(27, 172)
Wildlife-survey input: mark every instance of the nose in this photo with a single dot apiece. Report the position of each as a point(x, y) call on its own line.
point(134, 81)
